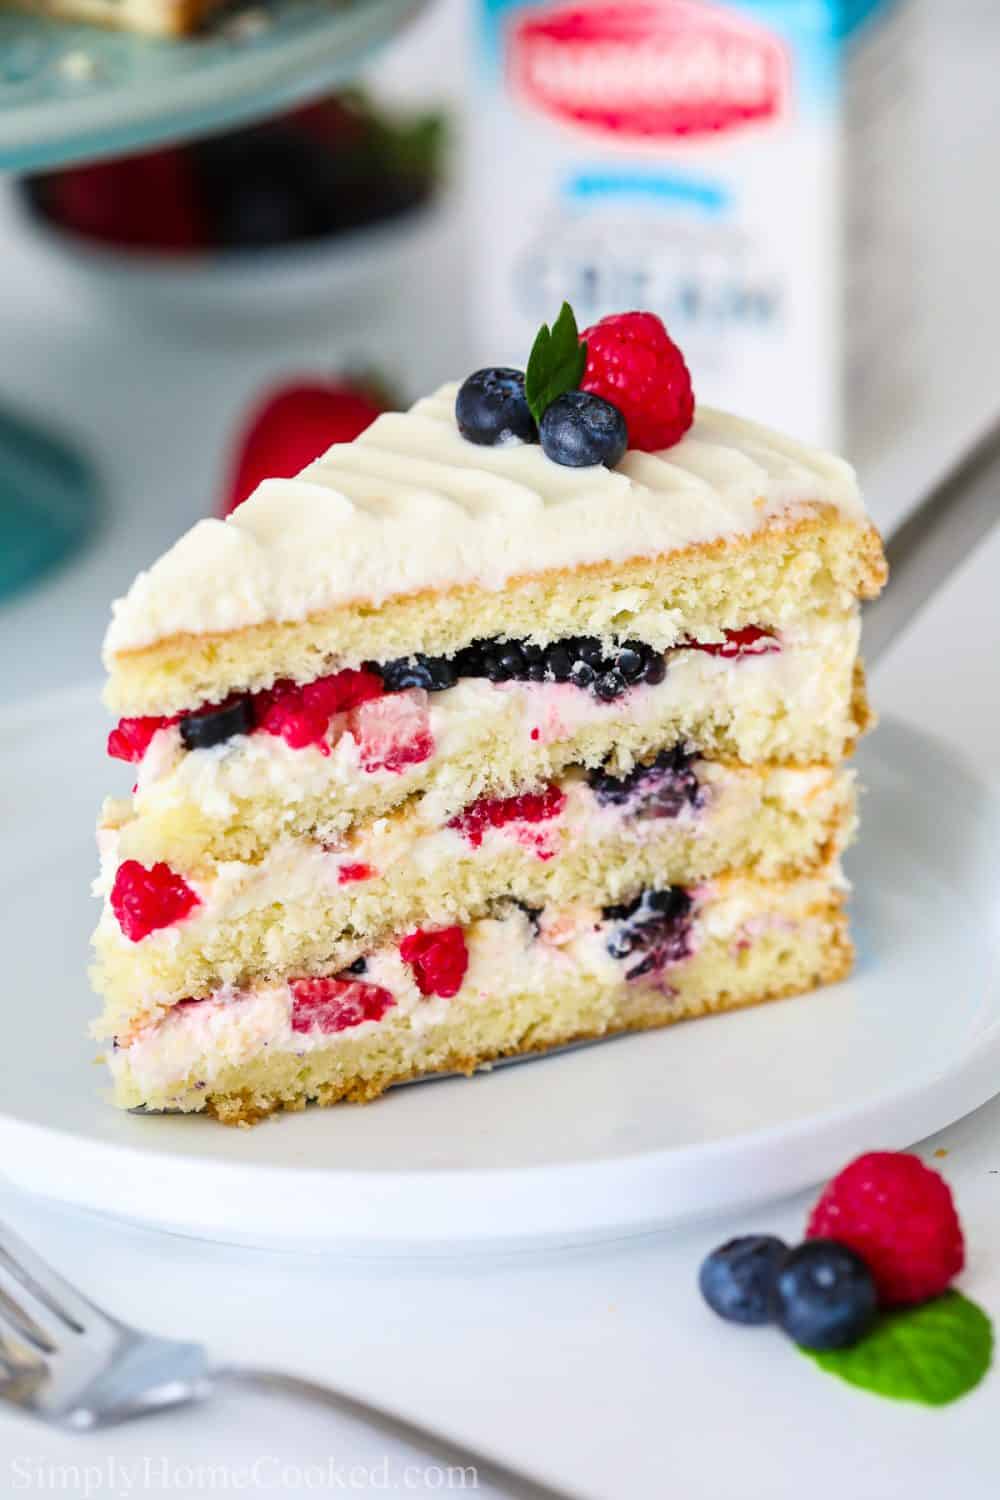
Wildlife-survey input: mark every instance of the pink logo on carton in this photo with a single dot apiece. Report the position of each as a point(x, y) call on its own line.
point(649, 69)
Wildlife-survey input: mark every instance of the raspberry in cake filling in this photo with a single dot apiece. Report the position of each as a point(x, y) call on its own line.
point(303, 714)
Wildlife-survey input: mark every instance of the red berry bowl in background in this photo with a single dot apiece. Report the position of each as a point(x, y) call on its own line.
point(311, 214)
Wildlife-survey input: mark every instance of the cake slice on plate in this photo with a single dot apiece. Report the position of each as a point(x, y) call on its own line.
point(518, 720)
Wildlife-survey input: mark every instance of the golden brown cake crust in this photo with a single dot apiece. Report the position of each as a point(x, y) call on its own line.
point(819, 561)
point(247, 1109)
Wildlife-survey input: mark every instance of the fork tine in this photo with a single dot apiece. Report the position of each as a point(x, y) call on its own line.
point(55, 1306)
point(22, 1371)
point(13, 1316)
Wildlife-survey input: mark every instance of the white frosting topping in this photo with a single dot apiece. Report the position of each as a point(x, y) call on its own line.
point(412, 505)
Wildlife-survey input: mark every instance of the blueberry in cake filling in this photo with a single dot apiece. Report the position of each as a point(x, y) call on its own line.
point(215, 725)
point(655, 928)
point(580, 660)
point(662, 789)
point(605, 672)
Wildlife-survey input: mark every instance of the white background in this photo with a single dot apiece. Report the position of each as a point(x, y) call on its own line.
point(596, 1367)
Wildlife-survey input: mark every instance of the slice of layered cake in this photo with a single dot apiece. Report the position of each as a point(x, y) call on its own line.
point(518, 720)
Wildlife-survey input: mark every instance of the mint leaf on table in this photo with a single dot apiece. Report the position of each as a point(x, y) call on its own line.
point(556, 362)
point(933, 1353)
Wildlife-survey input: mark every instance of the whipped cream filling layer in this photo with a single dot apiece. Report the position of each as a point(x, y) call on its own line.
point(711, 801)
point(411, 505)
point(507, 955)
point(806, 683)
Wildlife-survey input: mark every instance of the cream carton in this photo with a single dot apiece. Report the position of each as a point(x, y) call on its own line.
point(738, 168)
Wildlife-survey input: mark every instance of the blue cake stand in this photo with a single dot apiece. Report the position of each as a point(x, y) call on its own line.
point(72, 93)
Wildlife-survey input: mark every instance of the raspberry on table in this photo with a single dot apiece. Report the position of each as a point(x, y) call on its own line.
point(438, 960)
point(634, 363)
point(146, 900)
point(899, 1216)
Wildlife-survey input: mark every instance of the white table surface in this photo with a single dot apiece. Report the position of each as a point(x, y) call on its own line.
point(597, 1368)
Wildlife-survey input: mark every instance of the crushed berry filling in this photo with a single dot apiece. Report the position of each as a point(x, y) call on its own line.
point(146, 900)
point(331, 1005)
point(662, 789)
point(580, 660)
point(131, 738)
point(438, 959)
point(750, 641)
point(301, 714)
point(655, 929)
point(393, 732)
point(347, 874)
point(497, 812)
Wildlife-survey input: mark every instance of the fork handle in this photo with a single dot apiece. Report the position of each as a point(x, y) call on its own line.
point(443, 1449)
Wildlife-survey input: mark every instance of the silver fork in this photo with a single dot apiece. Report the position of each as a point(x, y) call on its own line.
point(69, 1363)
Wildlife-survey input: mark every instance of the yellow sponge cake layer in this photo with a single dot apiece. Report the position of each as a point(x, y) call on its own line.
point(801, 704)
point(529, 984)
point(309, 908)
point(814, 566)
point(413, 539)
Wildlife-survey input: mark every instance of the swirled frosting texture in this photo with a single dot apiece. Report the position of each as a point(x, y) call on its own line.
point(411, 505)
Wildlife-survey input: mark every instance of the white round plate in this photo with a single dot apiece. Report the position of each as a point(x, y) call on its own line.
point(615, 1138)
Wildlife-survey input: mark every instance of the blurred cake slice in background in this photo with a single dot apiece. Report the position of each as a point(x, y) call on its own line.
point(518, 720)
point(153, 17)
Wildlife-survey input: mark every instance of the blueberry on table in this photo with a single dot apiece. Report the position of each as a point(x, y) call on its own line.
point(579, 430)
point(824, 1296)
point(737, 1280)
point(214, 726)
point(491, 408)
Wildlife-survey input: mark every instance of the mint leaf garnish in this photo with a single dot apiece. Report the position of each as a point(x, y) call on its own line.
point(933, 1353)
point(555, 364)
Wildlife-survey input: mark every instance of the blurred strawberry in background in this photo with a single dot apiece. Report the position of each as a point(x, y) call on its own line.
point(137, 201)
point(328, 168)
point(292, 425)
